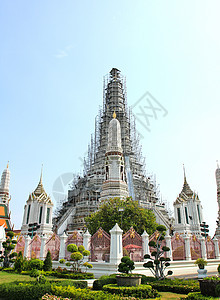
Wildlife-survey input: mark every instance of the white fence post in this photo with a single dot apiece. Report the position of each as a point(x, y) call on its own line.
point(63, 239)
point(187, 247)
point(116, 250)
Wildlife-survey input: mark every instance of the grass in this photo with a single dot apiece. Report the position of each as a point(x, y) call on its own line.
point(171, 296)
point(10, 277)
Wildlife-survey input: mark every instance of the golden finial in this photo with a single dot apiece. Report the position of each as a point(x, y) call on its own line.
point(41, 173)
point(184, 172)
point(114, 115)
point(8, 164)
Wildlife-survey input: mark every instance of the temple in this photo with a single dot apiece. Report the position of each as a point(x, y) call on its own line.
point(84, 197)
point(38, 210)
point(188, 211)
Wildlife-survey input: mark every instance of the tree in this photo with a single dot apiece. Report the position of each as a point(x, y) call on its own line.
point(48, 262)
point(87, 265)
point(7, 256)
point(19, 263)
point(126, 265)
point(158, 264)
point(77, 255)
point(133, 216)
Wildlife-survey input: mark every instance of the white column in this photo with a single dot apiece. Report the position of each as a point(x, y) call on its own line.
point(42, 247)
point(116, 251)
point(187, 247)
point(215, 240)
point(168, 244)
point(63, 239)
point(145, 242)
point(203, 247)
point(27, 246)
point(86, 240)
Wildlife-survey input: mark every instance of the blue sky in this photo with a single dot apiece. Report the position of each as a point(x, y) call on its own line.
point(53, 57)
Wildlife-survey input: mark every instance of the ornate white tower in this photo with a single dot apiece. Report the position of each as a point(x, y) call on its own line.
point(114, 184)
point(38, 210)
point(5, 199)
point(217, 176)
point(187, 211)
point(4, 186)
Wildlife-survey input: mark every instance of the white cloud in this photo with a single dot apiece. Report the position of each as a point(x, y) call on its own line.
point(63, 53)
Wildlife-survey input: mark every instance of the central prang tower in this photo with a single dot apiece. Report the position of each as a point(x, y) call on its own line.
point(84, 197)
point(114, 184)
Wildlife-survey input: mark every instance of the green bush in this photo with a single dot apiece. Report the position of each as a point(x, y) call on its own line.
point(48, 262)
point(74, 275)
point(103, 280)
point(42, 279)
point(126, 265)
point(82, 294)
point(33, 290)
point(141, 291)
point(147, 279)
point(36, 264)
point(24, 291)
point(176, 286)
point(19, 262)
point(35, 273)
point(8, 270)
point(198, 296)
point(72, 248)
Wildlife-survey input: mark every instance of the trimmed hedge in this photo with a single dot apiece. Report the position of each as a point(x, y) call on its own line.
point(199, 296)
point(141, 291)
point(82, 294)
point(179, 286)
point(178, 289)
point(73, 275)
point(103, 280)
point(33, 291)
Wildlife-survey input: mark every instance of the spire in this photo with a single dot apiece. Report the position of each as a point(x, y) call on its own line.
point(41, 175)
point(40, 189)
point(186, 188)
point(184, 172)
point(217, 164)
point(5, 180)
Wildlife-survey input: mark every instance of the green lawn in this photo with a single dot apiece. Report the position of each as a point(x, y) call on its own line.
point(9, 277)
point(172, 296)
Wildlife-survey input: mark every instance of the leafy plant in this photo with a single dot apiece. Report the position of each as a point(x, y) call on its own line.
point(48, 262)
point(158, 264)
point(77, 256)
point(126, 265)
point(35, 273)
point(19, 263)
point(88, 265)
point(7, 255)
point(62, 261)
point(36, 264)
point(201, 263)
